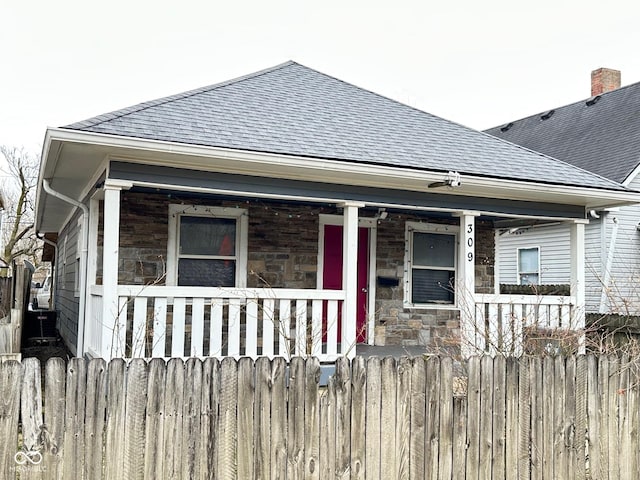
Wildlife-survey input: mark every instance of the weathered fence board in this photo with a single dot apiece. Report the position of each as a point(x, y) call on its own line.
point(358, 418)
point(54, 399)
point(432, 422)
point(372, 418)
point(403, 418)
point(388, 410)
point(529, 418)
point(154, 446)
point(96, 405)
point(418, 418)
point(295, 420)
point(135, 405)
point(11, 373)
point(74, 429)
point(312, 420)
point(245, 417)
point(114, 420)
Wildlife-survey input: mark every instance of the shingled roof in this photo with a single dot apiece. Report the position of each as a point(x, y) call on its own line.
point(599, 134)
point(294, 110)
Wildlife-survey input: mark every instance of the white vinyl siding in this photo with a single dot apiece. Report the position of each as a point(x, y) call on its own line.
point(553, 244)
point(595, 255)
point(623, 294)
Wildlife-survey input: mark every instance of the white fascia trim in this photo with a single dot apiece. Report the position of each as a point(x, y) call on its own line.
point(398, 175)
point(632, 176)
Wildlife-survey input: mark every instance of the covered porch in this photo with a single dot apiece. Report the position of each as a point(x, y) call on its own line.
point(160, 320)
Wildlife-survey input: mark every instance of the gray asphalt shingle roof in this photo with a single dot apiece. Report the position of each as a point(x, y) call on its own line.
point(293, 110)
point(602, 137)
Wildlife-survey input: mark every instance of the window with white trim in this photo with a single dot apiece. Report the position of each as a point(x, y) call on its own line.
point(207, 246)
point(430, 258)
point(529, 266)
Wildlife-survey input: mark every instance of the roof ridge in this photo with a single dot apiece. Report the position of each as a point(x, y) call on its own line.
point(105, 117)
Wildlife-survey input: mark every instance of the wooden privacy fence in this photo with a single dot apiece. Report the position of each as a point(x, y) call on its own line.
point(529, 418)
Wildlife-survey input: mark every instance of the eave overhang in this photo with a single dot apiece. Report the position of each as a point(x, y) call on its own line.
point(72, 159)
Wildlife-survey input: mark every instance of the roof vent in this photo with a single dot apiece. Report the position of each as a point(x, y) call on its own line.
point(507, 127)
point(548, 115)
point(593, 100)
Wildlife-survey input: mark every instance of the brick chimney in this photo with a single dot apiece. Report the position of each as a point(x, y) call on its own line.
point(604, 80)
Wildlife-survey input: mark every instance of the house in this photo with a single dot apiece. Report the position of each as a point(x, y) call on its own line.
point(288, 212)
point(600, 134)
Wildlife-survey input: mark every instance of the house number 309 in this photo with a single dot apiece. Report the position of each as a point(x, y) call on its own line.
point(470, 242)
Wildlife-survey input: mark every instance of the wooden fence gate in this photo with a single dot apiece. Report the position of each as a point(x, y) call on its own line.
point(550, 418)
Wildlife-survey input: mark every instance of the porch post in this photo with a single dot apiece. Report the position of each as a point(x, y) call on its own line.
point(91, 317)
point(113, 328)
point(576, 235)
point(350, 277)
point(466, 284)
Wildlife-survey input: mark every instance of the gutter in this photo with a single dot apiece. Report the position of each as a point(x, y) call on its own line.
point(298, 167)
point(83, 260)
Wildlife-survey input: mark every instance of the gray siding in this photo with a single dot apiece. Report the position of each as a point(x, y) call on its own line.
point(593, 239)
point(623, 294)
point(555, 261)
point(66, 300)
point(553, 241)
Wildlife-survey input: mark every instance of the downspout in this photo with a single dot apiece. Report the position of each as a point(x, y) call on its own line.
point(608, 266)
point(83, 260)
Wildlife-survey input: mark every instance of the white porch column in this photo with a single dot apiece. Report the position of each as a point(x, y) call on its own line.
point(92, 323)
point(350, 277)
point(576, 236)
point(113, 328)
point(466, 285)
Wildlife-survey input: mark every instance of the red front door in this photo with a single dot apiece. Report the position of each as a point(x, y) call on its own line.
point(332, 272)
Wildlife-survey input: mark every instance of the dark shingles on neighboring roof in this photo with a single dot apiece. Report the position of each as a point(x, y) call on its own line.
point(293, 110)
point(602, 137)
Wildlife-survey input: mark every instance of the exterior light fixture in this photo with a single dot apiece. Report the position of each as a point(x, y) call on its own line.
point(452, 179)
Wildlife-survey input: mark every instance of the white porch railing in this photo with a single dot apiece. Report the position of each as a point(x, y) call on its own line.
point(160, 321)
point(498, 321)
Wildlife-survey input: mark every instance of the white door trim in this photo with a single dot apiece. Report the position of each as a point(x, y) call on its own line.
point(372, 225)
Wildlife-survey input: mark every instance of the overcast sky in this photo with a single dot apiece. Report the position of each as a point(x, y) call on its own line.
point(478, 63)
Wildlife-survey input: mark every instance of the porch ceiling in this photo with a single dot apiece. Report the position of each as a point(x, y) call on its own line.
point(74, 161)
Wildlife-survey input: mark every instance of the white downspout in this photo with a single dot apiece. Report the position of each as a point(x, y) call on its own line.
point(608, 266)
point(83, 260)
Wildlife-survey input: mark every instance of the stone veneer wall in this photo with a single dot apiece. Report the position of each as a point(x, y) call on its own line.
point(283, 253)
point(437, 328)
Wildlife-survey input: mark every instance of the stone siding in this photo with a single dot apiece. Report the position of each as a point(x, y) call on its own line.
point(283, 253)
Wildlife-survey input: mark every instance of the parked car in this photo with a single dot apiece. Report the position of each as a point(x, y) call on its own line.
point(42, 295)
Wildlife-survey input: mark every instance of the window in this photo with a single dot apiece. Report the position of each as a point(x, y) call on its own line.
point(431, 263)
point(529, 266)
point(207, 246)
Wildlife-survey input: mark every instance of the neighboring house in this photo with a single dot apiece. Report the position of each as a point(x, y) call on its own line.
point(290, 213)
point(600, 134)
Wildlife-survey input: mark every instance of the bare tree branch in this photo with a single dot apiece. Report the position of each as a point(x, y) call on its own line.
point(18, 240)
